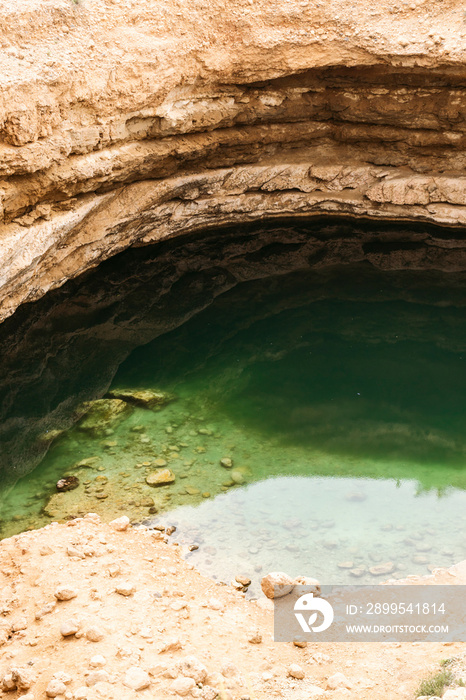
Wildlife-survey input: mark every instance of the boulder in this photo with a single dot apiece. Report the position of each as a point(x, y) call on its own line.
point(102, 414)
point(146, 398)
point(277, 584)
point(160, 477)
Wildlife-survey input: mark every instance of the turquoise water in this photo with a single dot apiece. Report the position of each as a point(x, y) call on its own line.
point(340, 409)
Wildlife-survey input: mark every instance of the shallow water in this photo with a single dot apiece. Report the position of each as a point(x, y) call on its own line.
point(341, 406)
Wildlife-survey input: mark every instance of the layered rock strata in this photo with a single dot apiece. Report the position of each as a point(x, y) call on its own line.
point(122, 125)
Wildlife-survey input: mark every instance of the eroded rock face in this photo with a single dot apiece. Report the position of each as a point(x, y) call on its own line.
point(142, 124)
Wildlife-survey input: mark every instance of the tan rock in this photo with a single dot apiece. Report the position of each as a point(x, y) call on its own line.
point(141, 397)
point(295, 671)
point(277, 584)
point(160, 477)
point(120, 524)
point(338, 680)
point(387, 567)
point(65, 593)
point(136, 678)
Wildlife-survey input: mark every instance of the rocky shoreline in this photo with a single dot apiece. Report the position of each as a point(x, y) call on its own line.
point(93, 610)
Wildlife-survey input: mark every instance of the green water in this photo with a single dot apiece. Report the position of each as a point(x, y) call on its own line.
point(344, 419)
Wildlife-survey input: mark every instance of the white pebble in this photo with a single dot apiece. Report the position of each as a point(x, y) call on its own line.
point(136, 678)
point(54, 688)
point(19, 624)
point(125, 589)
point(69, 627)
point(97, 661)
point(97, 677)
point(183, 686)
point(338, 680)
point(120, 524)
point(65, 593)
point(296, 671)
point(95, 634)
point(191, 667)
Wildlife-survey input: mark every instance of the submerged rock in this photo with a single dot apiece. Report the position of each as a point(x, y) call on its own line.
point(68, 483)
point(160, 477)
point(49, 435)
point(142, 397)
point(88, 463)
point(237, 476)
point(226, 462)
point(382, 569)
point(101, 414)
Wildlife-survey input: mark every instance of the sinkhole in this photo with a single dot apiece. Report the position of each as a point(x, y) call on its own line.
point(289, 396)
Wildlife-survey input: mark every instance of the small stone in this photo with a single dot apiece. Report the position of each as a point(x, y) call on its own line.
point(382, 569)
point(311, 583)
point(69, 627)
point(68, 483)
point(54, 688)
point(141, 397)
point(160, 463)
point(254, 637)
point(81, 693)
point(237, 476)
point(97, 661)
point(183, 686)
point(168, 645)
point(226, 462)
point(19, 678)
point(136, 678)
point(45, 550)
point(228, 669)
point(300, 642)
point(243, 580)
point(120, 524)
point(191, 667)
point(125, 589)
point(358, 571)
point(345, 565)
point(215, 604)
point(19, 624)
point(296, 671)
point(420, 559)
point(8, 683)
point(62, 676)
point(113, 570)
point(191, 490)
point(160, 478)
point(95, 634)
point(65, 593)
point(276, 584)
point(75, 552)
point(97, 677)
point(423, 547)
point(338, 680)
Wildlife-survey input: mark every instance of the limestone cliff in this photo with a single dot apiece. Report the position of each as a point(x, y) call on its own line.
point(123, 122)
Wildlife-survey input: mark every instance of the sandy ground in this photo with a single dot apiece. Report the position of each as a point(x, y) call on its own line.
point(169, 631)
